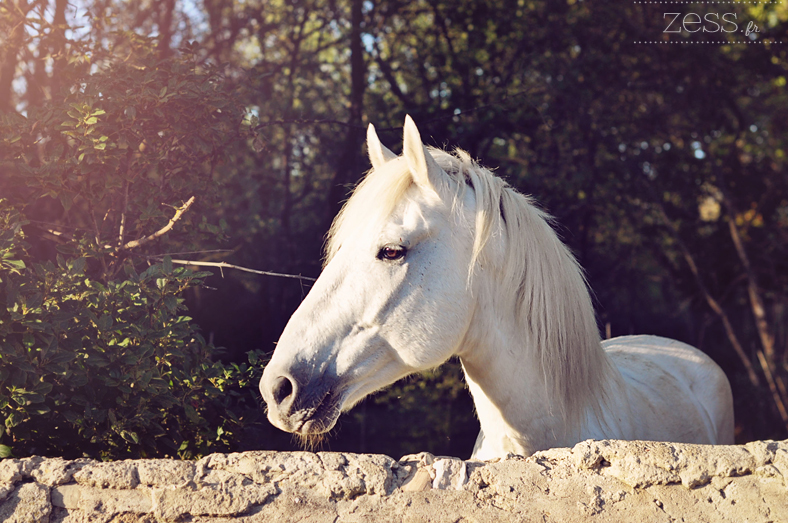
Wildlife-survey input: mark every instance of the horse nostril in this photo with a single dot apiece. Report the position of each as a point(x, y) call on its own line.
point(282, 389)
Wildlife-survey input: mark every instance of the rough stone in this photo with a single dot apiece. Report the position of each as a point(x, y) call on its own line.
point(108, 501)
point(598, 481)
point(164, 472)
point(171, 504)
point(10, 471)
point(117, 475)
point(54, 471)
point(28, 504)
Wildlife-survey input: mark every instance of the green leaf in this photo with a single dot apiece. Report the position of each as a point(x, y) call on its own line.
point(43, 388)
point(6, 452)
point(15, 265)
point(104, 322)
point(191, 413)
point(131, 437)
point(13, 420)
point(97, 360)
point(63, 357)
point(171, 302)
point(78, 265)
point(66, 200)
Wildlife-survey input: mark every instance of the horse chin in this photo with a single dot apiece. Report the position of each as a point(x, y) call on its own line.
point(312, 422)
point(315, 427)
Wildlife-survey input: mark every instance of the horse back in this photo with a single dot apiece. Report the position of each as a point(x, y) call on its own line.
point(673, 391)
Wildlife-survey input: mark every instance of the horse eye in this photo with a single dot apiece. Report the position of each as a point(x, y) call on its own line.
point(392, 252)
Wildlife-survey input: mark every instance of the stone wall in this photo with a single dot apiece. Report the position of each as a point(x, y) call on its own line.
point(594, 481)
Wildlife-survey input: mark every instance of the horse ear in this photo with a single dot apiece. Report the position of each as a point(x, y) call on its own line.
point(378, 153)
point(420, 161)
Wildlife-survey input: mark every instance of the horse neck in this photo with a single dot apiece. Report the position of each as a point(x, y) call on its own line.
point(516, 412)
point(532, 357)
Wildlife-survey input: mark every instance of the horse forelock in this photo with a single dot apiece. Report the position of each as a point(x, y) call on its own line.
point(378, 193)
point(552, 306)
point(371, 203)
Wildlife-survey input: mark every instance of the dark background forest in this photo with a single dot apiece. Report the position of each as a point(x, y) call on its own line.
point(137, 135)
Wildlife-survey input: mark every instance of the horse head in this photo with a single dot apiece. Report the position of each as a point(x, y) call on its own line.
point(394, 296)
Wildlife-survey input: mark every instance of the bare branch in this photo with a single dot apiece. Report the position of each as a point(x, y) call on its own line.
point(225, 265)
point(297, 121)
point(206, 251)
point(122, 229)
point(164, 230)
point(54, 235)
point(713, 303)
point(756, 302)
point(771, 379)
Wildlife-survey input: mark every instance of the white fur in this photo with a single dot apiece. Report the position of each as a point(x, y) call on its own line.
point(485, 278)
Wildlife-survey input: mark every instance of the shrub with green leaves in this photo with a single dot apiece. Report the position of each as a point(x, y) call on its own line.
point(97, 356)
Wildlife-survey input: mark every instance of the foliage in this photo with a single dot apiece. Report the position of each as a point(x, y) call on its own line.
point(663, 164)
point(96, 355)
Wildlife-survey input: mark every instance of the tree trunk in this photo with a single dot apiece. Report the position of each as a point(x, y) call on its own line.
point(165, 28)
point(10, 59)
point(350, 165)
point(57, 47)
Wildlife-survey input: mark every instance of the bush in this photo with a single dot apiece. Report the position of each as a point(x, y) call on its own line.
point(97, 357)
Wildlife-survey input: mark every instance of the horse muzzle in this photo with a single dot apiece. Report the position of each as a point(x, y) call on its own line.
point(298, 404)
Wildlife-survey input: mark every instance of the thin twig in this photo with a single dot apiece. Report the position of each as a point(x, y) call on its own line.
point(207, 251)
point(164, 230)
point(225, 265)
point(57, 236)
point(96, 230)
point(298, 121)
point(62, 226)
point(773, 388)
point(756, 302)
point(713, 303)
point(122, 229)
point(328, 121)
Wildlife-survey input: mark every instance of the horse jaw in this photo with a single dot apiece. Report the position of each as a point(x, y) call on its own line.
point(307, 383)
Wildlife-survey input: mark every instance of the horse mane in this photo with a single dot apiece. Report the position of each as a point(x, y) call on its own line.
point(551, 306)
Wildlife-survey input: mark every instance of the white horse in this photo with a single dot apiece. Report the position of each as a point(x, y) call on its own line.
point(433, 256)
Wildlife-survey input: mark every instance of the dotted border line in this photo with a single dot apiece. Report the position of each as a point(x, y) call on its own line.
point(707, 2)
point(713, 42)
